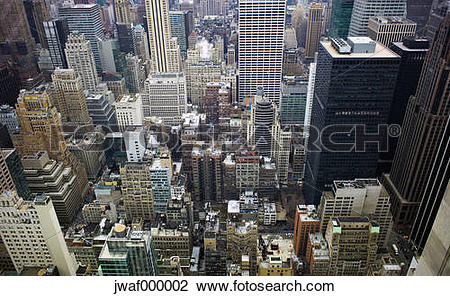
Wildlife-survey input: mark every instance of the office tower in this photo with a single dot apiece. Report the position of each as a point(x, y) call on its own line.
point(141, 40)
point(165, 96)
point(412, 52)
point(31, 233)
point(291, 54)
point(352, 243)
point(137, 191)
point(298, 152)
point(242, 243)
point(172, 242)
point(310, 94)
point(90, 151)
point(41, 128)
point(158, 23)
point(229, 178)
point(69, 98)
point(80, 58)
point(360, 197)
point(122, 11)
point(317, 254)
point(260, 61)
point(363, 10)
point(56, 33)
point(135, 143)
point(18, 44)
point(344, 100)
point(247, 170)
point(314, 29)
point(215, 245)
point(101, 111)
point(127, 252)
point(108, 53)
point(127, 38)
point(281, 149)
point(385, 29)
point(268, 183)
point(197, 76)
point(59, 182)
point(198, 176)
point(116, 84)
point(160, 178)
point(262, 119)
point(174, 63)
point(37, 13)
point(341, 15)
point(306, 222)
point(293, 100)
point(178, 29)
point(418, 11)
point(86, 19)
point(134, 73)
point(231, 54)
point(434, 260)
point(129, 111)
point(438, 12)
point(6, 181)
point(278, 260)
point(8, 118)
point(10, 163)
point(217, 95)
point(422, 135)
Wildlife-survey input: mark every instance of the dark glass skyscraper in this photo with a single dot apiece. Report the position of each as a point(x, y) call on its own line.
point(419, 11)
point(341, 14)
point(354, 87)
point(56, 31)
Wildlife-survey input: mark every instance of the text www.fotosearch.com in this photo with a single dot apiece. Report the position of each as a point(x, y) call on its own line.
point(235, 286)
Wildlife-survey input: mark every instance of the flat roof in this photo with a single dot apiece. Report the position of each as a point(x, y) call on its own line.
point(381, 51)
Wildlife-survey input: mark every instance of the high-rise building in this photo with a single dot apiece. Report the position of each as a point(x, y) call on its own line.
point(69, 98)
point(438, 12)
point(434, 260)
point(247, 170)
point(293, 100)
point(317, 254)
point(32, 234)
point(137, 191)
point(101, 111)
point(122, 11)
point(129, 111)
point(412, 52)
point(135, 143)
point(197, 76)
point(158, 23)
point(134, 74)
point(11, 164)
point(314, 29)
point(165, 96)
point(215, 245)
point(37, 13)
point(385, 29)
point(343, 102)
point(56, 33)
point(128, 252)
point(18, 44)
point(80, 58)
point(276, 259)
point(178, 29)
point(160, 178)
point(352, 243)
point(126, 37)
point(363, 10)
point(59, 182)
point(423, 132)
point(418, 11)
point(9, 119)
point(360, 197)
point(86, 19)
point(242, 244)
point(281, 148)
point(306, 222)
point(261, 60)
point(262, 119)
point(341, 15)
point(174, 63)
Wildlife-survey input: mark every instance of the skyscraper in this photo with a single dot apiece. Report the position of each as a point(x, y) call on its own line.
point(293, 100)
point(158, 23)
point(386, 30)
point(341, 15)
point(178, 29)
point(37, 13)
point(9, 159)
point(314, 29)
point(86, 19)
point(122, 11)
point(80, 58)
point(261, 42)
point(56, 32)
point(351, 100)
point(32, 234)
point(17, 44)
point(363, 10)
point(69, 97)
point(423, 132)
point(418, 11)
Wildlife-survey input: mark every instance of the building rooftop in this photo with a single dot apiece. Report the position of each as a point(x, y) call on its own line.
point(391, 20)
point(380, 50)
